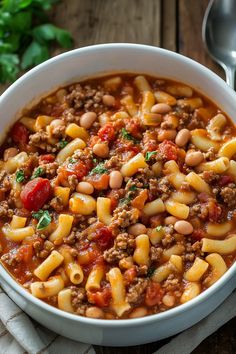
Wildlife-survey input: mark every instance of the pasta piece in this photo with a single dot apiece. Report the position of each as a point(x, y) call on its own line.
point(119, 303)
point(197, 270)
point(65, 301)
point(94, 278)
point(162, 272)
point(191, 290)
point(155, 207)
point(103, 119)
point(12, 164)
point(218, 230)
point(42, 122)
point(179, 210)
point(148, 101)
point(142, 83)
point(69, 149)
point(49, 265)
point(175, 177)
point(163, 97)
point(104, 210)
point(141, 253)
point(63, 193)
point(226, 246)
point(17, 222)
point(232, 169)
point(218, 268)
point(228, 149)
point(201, 141)
point(156, 235)
point(44, 289)
point(219, 165)
point(179, 90)
point(196, 182)
point(119, 115)
point(16, 190)
point(63, 229)
point(177, 262)
point(17, 235)
point(29, 123)
point(151, 119)
point(129, 104)
point(215, 125)
point(193, 103)
point(113, 83)
point(133, 165)
point(174, 250)
point(184, 197)
point(75, 131)
point(73, 269)
point(83, 204)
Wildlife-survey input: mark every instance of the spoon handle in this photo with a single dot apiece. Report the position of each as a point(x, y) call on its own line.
point(230, 76)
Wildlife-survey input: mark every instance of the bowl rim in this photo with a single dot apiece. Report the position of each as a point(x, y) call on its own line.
point(175, 311)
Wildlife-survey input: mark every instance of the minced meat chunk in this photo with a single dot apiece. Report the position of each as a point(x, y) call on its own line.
point(123, 217)
point(5, 210)
point(136, 290)
point(228, 195)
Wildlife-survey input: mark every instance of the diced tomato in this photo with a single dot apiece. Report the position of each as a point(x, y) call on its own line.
point(25, 253)
point(129, 275)
point(99, 182)
point(100, 298)
point(215, 211)
point(140, 200)
point(19, 134)
point(154, 294)
point(103, 237)
point(198, 234)
point(169, 150)
point(78, 168)
point(36, 193)
point(203, 197)
point(44, 159)
point(107, 132)
point(133, 127)
point(224, 180)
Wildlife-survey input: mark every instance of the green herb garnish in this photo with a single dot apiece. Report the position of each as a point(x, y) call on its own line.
point(26, 35)
point(126, 135)
point(149, 154)
point(71, 160)
point(133, 188)
point(159, 228)
point(20, 176)
point(62, 143)
point(125, 201)
point(39, 172)
point(150, 272)
point(99, 169)
point(44, 219)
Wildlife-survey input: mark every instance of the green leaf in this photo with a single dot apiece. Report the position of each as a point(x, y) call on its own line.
point(150, 272)
point(39, 172)
point(9, 67)
point(133, 188)
point(99, 169)
point(62, 143)
point(159, 228)
point(44, 219)
point(63, 38)
point(48, 32)
point(149, 154)
point(125, 200)
point(35, 54)
point(71, 160)
point(22, 21)
point(126, 135)
point(20, 176)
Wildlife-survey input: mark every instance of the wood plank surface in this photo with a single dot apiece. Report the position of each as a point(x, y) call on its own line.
point(172, 24)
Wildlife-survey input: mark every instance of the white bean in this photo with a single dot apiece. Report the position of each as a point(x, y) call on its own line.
point(182, 137)
point(193, 158)
point(161, 108)
point(101, 150)
point(137, 229)
point(116, 179)
point(87, 119)
point(109, 100)
point(85, 187)
point(94, 312)
point(183, 227)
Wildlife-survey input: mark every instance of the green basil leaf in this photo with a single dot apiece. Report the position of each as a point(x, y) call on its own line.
point(149, 154)
point(62, 143)
point(9, 67)
point(20, 176)
point(133, 188)
point(39, 172)
point(99, 169)
point(159, 228)
point(38, 214)
point(35, 54)
point(150, 272)
point(44, 221)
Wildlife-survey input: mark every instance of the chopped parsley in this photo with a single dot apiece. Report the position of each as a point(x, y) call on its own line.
point(62, 143)
point(125, 201)
point(99, 169)
point(20, 176)
point(38, 172)
point(150, 272)
point(149, 154)
point(159, 228)
point(126, 135)
point(44, 219)
point(133, 188)
point(95, 160)
point(71, 160)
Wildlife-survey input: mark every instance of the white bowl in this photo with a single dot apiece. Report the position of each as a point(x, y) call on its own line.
point(91, 62)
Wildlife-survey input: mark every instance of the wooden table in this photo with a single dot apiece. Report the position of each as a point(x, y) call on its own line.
point(171, 24)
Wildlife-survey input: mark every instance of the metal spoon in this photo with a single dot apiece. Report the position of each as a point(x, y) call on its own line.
point(219, 35)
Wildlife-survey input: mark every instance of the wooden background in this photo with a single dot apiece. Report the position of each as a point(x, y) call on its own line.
point(171, 24)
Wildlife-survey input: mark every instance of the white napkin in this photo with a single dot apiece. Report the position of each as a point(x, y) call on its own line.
point(19, 334)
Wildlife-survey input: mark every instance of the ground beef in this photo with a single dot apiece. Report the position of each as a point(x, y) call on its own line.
point(136, 290)
point(41, 140)
point(114, 255)
point(85, 97)
point(5, 184)
point(73, 182)
point(210, 176)
point(124, 217)
point(155, 253)
point(228, 195)
point(164, 187)
point(210, 154)
point(56, 204)
point(10, 258)
point(113, 162)
point(172, 283)
point(50, 169)
point(168, 239)
point(28, 166)
point(141, 270)
point(199, 210)
point(192, 251)
point(58, 131)
point(125, 241)
point(5, 210)
point(123, 246)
